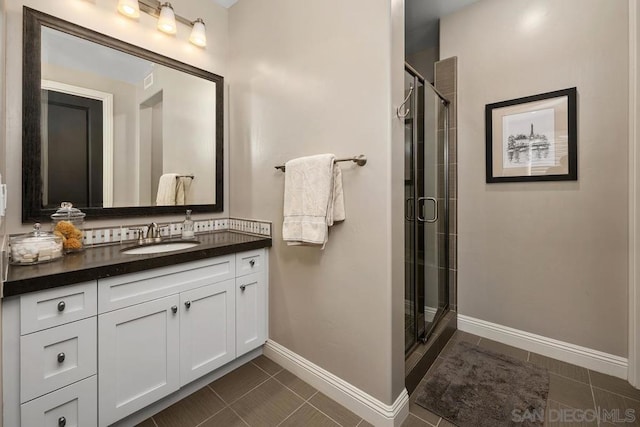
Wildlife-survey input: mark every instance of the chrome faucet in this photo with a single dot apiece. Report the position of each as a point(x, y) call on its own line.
point(153, 231)
point(153, 234)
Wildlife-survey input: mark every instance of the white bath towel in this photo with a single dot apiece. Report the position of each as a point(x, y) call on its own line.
point(313, 199)
point(182, 190)
point(167, 190)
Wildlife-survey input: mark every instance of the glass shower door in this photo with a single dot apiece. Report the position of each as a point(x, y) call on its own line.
point(409, 218)
point(426, 208)
point(432, 208)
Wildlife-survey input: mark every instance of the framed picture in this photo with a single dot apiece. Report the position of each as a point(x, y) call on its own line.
point(532, 138)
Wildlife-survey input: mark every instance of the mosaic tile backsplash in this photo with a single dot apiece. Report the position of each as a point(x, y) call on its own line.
point(125, 233)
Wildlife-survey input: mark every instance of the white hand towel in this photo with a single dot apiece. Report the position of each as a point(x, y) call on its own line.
point(338, 211)
point(313, 199)
point(167, 190)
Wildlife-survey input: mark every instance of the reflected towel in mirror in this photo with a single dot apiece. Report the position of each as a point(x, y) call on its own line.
point(182, 190)
point(167, 187)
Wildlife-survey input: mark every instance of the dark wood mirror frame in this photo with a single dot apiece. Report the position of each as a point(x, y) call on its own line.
point(32, 209)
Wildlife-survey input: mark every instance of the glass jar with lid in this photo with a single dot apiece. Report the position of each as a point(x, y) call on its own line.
point(68, 224)
point(35, 247)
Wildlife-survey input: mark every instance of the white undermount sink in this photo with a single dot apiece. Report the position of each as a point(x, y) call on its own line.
point(156, 248)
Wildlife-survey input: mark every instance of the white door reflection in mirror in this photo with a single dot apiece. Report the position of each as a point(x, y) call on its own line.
point(57, 195)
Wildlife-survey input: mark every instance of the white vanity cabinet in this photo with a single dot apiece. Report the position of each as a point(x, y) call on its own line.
point(207, 329)
point(139, 354)
point(129, 340)
point(251, 294)
point(50, 357)
point(72, 406)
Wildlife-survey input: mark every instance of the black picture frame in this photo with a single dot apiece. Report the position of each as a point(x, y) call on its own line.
point(32, 186)
point(512, 156)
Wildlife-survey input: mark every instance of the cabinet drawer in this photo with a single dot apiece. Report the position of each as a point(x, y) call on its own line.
point(249, 262)
point(54, 307)
point(72, 406)
point(124, 291)
point(57, 357)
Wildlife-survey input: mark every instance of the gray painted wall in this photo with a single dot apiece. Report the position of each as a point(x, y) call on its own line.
point(314, 77)
point(424, 62)
point(546, 258)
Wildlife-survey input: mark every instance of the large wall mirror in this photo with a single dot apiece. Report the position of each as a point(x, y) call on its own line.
point(113, 128)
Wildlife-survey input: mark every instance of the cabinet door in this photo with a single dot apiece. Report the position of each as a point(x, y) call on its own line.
point(138, 357)
point(207, 329)
point(251, 322)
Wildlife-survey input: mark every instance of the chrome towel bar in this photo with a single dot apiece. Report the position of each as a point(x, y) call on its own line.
point(360, 160)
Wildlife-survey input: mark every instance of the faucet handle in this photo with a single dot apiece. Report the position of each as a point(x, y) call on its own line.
point(139, 233)
point(159, 229)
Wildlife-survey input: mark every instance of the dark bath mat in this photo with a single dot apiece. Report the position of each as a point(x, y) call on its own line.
point(474, 387)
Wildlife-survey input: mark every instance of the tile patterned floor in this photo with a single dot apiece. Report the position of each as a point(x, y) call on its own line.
point(259, 393)
point(262, 393)
point(571, 387)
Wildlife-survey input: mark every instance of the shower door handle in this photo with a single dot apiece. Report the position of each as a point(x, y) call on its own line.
point(435, 209)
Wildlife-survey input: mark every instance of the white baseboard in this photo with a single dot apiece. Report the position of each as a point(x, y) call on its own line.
point(364, 405)
point(586, 357)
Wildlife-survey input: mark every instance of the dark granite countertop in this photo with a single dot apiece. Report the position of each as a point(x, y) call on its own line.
point(107, 261)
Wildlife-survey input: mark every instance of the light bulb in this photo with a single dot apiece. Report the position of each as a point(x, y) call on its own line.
point(198, 34)
point(129, 8)
point(167, 19)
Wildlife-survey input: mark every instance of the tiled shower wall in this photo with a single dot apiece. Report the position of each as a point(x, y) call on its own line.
point(446, 77)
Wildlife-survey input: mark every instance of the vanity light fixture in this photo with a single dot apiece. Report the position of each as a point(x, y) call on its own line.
point(198, 34)
point(167, 18)
point(129, 8)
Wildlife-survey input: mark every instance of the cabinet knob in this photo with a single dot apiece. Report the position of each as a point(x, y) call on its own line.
point(252, 262)
point(243, 287)
point(61, 306)
point(187, 304)
point(62, 421)
point(174, 309)
point(61, 357)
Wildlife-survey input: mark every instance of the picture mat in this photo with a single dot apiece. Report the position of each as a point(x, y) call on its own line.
point(559, 165)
